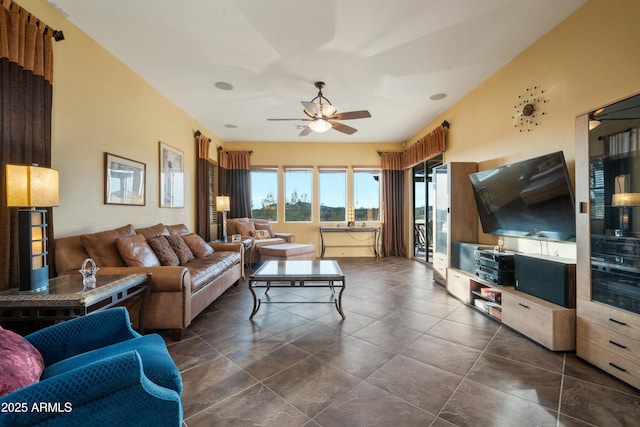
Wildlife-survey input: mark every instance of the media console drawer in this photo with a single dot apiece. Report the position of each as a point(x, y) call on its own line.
point(609, 340)
point(458, 285)
point(548, 324)
point(620, 321)
point(440, 268)
point(616, 365)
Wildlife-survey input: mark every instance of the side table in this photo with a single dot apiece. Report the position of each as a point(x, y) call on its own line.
point(65, 298)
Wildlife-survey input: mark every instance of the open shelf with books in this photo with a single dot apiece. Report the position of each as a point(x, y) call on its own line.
point(486, 299)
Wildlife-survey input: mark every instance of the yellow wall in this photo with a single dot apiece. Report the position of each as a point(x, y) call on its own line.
point(100, 105)
point(589, 60)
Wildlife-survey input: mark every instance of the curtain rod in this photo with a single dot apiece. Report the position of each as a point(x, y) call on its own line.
point(445, 124)
point(58, 35)
point(198, 133)
point(219, 148)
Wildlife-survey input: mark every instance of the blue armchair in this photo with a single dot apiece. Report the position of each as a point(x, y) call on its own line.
point(98, 371)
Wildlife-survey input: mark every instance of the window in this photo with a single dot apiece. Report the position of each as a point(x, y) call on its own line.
point(264, 194)
point(333, 194)
point(366, 194)
point(297, 194)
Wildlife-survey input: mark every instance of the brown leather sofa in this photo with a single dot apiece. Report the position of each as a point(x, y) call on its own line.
point(179, 292)
point(250, 228)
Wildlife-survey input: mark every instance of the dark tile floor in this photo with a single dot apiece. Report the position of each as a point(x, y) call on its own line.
point(408, 354)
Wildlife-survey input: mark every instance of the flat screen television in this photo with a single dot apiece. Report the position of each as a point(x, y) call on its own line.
point(531, 199)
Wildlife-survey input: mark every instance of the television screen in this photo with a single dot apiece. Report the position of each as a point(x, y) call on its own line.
point(531, 198)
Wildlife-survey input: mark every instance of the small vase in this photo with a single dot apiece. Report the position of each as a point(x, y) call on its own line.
point(88, 272)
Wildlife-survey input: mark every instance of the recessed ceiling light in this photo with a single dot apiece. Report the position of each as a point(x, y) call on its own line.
point(438, 96)
point(223, 85)
point(230, 126)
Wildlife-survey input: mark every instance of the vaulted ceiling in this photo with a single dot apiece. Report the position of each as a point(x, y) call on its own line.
point(391, 57)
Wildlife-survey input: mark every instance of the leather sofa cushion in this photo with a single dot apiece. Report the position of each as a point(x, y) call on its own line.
point(198, 246)
point(180, 248)
point(203, 270)
point(136, 252)
point(153, 231)
point(285, 250)
point(163, 250)
point(102, 248)
point(177, 229)
point(242, 226)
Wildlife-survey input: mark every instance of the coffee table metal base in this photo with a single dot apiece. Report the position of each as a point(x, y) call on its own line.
point(297, 274)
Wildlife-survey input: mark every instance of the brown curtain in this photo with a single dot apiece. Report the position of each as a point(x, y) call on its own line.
point(394, 165)
point(26, 75)
point(393, 211)
point(235, 181)
point(202, 186)
point(426, 147)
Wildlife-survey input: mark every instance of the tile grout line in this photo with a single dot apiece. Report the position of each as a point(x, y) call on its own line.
point(564, 367)
point(466, 374)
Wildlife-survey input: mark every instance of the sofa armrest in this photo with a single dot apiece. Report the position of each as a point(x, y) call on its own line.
point(287, 237)
point(227, 246)
point(163, 278)
point(82, 334)
point(112, 391)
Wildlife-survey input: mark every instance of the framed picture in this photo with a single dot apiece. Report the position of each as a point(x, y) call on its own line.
point(171, 177)
point(124, 181)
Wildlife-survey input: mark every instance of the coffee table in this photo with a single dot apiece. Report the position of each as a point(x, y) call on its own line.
point(65, 298)
point(302, 274)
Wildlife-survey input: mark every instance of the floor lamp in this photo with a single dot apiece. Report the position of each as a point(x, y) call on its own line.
point(27, 187)
point(223, 204)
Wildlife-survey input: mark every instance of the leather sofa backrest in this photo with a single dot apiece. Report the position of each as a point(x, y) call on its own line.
point(69, 254)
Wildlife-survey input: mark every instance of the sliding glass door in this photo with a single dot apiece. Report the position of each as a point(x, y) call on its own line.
point(423, 202)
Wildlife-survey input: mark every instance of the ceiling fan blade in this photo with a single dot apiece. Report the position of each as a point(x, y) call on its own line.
point(349, 115)
point(306, 131)
point(343, 128)
point(281, 120)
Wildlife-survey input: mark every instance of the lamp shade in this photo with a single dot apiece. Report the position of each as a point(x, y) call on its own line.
point(625, 199)
point(30, 186)
point(223, 204)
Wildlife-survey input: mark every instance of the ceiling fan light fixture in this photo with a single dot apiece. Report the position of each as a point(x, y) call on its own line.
point(326, 109)
point(320, 125)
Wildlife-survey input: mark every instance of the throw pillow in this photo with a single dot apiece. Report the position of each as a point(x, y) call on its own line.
point(101, 246)
point(264, 226)
point(21, 365)
point(136, 252)
point(181, 249)
point(260, 234)
point(198, 246)
point(163, 251)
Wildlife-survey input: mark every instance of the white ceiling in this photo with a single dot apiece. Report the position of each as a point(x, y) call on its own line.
point(386, 56)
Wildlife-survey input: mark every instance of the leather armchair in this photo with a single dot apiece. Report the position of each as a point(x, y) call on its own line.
point(98, 371)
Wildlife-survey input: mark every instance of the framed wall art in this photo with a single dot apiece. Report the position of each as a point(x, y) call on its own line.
point(124, 181)
point(171, 177)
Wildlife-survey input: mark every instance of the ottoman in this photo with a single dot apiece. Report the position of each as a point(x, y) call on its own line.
point(288, 251)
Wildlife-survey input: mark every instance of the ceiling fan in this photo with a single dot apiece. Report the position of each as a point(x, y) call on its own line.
point(324, 116)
